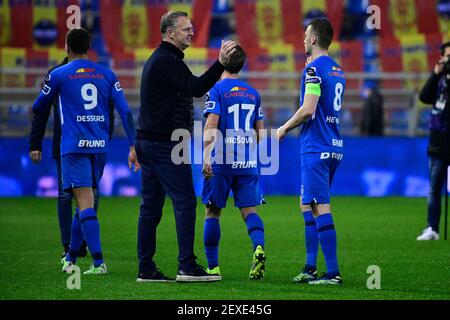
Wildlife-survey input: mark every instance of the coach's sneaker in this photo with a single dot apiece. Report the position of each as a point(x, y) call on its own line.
point(428, 234)
point(214, 271)
point(156, 276)
point(67, 266)
point(327, 280)
point(258, 264)
point(307, 274)
point(101, 269)
point(196, 274)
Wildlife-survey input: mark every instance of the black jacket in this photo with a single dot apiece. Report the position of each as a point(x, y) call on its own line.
point(167, 91)
point(372, 123)
point(436, 91)
point(40, 122)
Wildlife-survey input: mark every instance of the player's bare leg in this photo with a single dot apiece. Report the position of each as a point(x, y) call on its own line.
point(84, 197)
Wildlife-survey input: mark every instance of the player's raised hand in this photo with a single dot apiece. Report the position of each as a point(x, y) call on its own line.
point(35, 156)
point(226, 50)
point(281, 132)
point(132, 159)
point(308, 60)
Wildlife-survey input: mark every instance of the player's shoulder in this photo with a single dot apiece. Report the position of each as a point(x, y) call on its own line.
point(59, 65)
point(322, 68)
point(312, 72)
point(325, 64)
point(321, 61)
point(233, 87)
point(249, 87)
point(312, 69)
point(215, 90)
point(102, 69)
point(251, 90)
point(56, 73)
point(77, 66)
point(219, 88)
point(232, 84)
point(58, 69)
point(107, 74)
point(332, 70)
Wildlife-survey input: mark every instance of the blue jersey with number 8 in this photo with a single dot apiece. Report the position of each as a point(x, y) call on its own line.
point(321, 132)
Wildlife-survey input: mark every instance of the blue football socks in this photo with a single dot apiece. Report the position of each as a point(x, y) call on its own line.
point(91, 232)
point(211, 238)
point(311, 239)
point(76, 238)
point(327, 239)
point(255, 228)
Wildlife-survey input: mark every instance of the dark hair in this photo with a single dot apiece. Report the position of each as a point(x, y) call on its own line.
point(78, 41)
point(444, 45)
point(237, 60)
point(169, 19)
point(322, 28)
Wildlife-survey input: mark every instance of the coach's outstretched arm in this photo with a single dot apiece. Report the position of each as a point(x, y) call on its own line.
point(178, 74)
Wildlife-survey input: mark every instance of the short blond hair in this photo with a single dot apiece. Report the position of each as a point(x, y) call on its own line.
point(169, 19)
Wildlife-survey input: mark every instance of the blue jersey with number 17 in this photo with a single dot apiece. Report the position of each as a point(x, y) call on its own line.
point(239, 106)
point(321, 132)
point(84, 90)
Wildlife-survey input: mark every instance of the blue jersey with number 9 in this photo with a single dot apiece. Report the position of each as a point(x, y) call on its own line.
point(84, 90)
point(323, 77)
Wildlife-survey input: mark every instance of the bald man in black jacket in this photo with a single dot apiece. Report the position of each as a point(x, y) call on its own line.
point(167, 91)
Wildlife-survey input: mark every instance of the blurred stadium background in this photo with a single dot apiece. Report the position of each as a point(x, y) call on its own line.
point(397, 59)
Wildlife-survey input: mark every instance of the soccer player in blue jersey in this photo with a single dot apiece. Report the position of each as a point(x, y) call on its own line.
point(323, 86)
point(84, 90)
point(234, 123)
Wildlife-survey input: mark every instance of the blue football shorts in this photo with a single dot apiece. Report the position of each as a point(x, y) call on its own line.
point(245, 188)
point(82, 170)
point(317, 172)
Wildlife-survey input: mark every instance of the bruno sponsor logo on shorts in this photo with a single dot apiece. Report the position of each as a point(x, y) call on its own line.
point(91, 143)
point(244, 164)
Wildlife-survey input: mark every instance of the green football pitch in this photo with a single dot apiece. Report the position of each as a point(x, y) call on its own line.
point(371, 232)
